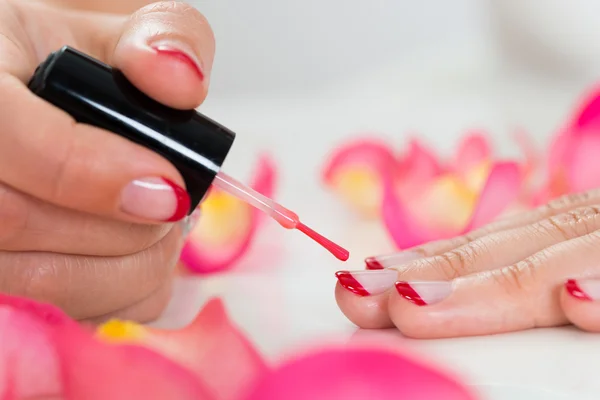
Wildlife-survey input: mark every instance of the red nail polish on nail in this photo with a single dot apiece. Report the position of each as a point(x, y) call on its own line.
point(350, 283)
point(181, 56)
point(406, 291)
point(574, 290)
point(183, 201)
point(372, 263)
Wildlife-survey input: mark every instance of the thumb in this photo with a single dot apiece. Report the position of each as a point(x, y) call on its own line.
point(580, 301)
point(166, 50)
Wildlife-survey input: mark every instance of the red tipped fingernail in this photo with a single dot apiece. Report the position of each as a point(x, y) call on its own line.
point(581, 289)
point(181, 52)
point(424, 293)
point(157, 199)
point(367, 283)
point(392, 260)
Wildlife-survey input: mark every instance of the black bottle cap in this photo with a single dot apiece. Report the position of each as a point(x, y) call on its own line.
point(97, 94)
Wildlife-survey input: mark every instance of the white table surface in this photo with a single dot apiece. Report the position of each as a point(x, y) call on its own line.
point(281, 293)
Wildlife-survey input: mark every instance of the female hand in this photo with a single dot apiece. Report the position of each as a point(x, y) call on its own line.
point(537, 269)
point(87, 218)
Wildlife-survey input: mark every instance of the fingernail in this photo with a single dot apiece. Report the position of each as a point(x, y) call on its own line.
point(189, 223)
point(367, 283)
point(157, 199)
point(584, 289)
point(179, 51)
point(424, 293)
point(391, 260)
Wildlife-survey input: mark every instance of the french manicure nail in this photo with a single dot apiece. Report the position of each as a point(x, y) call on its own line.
point(391, 260)
point(425, 292)
point(180, 51)
point(157, 199)
point(367, 283)
point(584, 289)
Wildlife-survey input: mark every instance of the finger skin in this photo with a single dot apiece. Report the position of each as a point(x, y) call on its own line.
point(145, 311)
point(555, 207)
point(85, 286)
point(160, 75)
point(520, 296)
point(498, 244)
point(28, 224)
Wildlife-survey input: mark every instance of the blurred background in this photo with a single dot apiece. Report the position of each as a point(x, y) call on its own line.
point(301, 76)
point(297, 78)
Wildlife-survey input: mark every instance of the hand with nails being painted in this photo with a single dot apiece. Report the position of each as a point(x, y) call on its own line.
point(537, 269)
point(88, 220)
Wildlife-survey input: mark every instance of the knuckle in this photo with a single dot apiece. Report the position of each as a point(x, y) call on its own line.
point(571, 224)
point(453, 263)
point(514, 279)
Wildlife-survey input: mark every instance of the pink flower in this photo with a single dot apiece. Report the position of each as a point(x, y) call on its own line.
point(227, 226)
point(44, 354)
point(572, 164)
point(419, 197)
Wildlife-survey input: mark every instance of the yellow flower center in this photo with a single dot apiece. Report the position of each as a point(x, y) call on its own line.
point(361, 187)
point(224, 218)
point(118, 331)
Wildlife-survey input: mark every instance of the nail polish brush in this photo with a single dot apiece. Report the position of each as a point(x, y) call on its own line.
point(96, 94)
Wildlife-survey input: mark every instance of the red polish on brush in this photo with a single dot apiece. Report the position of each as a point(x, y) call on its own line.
point(286, 218)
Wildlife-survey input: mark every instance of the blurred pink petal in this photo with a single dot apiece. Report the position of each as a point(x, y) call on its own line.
point(588, 114)
point(473, 150)
point(358, 374)
point(93, 370)
point(368, 152)
point(355, 171)
point(28, 358)
point(211, 347)
point(227, 225)
point(418, 168)
point(405, 229)
point(583, 163)
point(501, 189)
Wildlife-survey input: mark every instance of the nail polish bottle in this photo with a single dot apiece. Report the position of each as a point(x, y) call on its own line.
point(97, 94)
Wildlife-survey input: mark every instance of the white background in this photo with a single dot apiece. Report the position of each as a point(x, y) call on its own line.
point(296, 78)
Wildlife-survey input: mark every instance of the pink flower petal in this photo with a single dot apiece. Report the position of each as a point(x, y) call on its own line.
point(212, 348)
point(418, 168)
point(93, 370)
point(355, 171)
point(358, 374)
point(233, 221)
point(501, 190)
point(405, 229)
point(588, 114)
point(370, 153)
point(473, 150)
point(582, 163)
point(28, 358)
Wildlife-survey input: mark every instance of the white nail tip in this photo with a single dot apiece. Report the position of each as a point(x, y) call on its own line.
point(432, 292)
point(398, 259)
point(591, 287)
point(376, 282)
